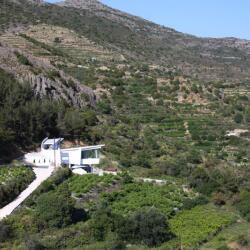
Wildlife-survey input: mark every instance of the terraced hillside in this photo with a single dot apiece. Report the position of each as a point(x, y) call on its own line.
point(167, 106)
point(209, 59)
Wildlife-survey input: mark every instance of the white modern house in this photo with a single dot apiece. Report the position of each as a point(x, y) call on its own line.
point(52, 154)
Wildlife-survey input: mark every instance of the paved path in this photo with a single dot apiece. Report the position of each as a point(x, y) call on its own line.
point(41, 175)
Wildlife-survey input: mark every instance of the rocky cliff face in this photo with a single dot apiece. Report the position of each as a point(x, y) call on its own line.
point(45, 79)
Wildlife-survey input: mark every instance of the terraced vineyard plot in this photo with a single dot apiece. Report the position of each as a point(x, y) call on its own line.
point(196, 225)
point(83, 184)
point(135, 196)
point(237, 234)
point(13, 180)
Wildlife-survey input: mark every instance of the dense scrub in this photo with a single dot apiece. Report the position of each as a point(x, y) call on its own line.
point(13, 180)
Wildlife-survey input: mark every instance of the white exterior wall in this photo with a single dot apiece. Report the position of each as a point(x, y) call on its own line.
point(45, 158)
point(74, 156)
point(52, 155)
point(90, 161)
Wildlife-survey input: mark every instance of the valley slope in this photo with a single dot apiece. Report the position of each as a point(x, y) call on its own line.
point(167, 105)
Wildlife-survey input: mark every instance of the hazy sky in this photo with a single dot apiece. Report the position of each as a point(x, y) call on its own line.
point(214, 18)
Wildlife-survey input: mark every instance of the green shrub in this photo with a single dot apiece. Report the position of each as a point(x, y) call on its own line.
point(102, 222)
point(104, 107)
point(191, 203)
point(22, 59)
point(55, 209)
point(238, 118)
point(243, 204)
point(147, 227)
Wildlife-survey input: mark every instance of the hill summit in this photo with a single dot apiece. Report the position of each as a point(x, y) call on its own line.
point(83, 4)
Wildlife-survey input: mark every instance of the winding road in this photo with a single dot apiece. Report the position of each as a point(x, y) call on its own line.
point(41, 175)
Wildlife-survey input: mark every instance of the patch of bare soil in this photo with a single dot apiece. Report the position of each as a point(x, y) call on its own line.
point(72, 144)
point(236, 246)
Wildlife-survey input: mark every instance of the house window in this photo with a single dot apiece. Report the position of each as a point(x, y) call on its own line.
point(90, 154)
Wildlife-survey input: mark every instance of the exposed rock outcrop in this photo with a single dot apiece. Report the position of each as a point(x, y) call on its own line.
point(45, 79)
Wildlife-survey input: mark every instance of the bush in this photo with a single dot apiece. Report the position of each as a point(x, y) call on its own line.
point(202, 182)
point(238, 118)
point(243, 204)
point(22, 59)
point(218, 199)
point(191, 203)
point(104, 107)
point(147, 227)
point(55, 209)
point(101, 223)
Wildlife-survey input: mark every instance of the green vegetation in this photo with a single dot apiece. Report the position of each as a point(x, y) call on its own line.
point(55, 209)
point(79, 185)
point(198, 224)
point(13, 180)
point(22, 59)
point(243, 204)
point(146, 228)
point(238, 233)
point(24, 117)
point(132, 213)
point(155, 121)
point(166, 198)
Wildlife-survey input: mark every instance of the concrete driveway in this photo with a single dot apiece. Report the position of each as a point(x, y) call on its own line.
point(41, 175)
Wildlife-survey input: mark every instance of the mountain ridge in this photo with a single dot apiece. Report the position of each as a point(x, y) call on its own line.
point(222, 59)
point(215, 49)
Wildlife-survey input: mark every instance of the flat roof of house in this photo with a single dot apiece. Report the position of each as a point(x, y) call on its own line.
point(48, 141)
point(84, 148)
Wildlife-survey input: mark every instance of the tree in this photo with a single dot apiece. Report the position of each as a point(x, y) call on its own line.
point(55, 209)
point(147, 227)
point(101, 222)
